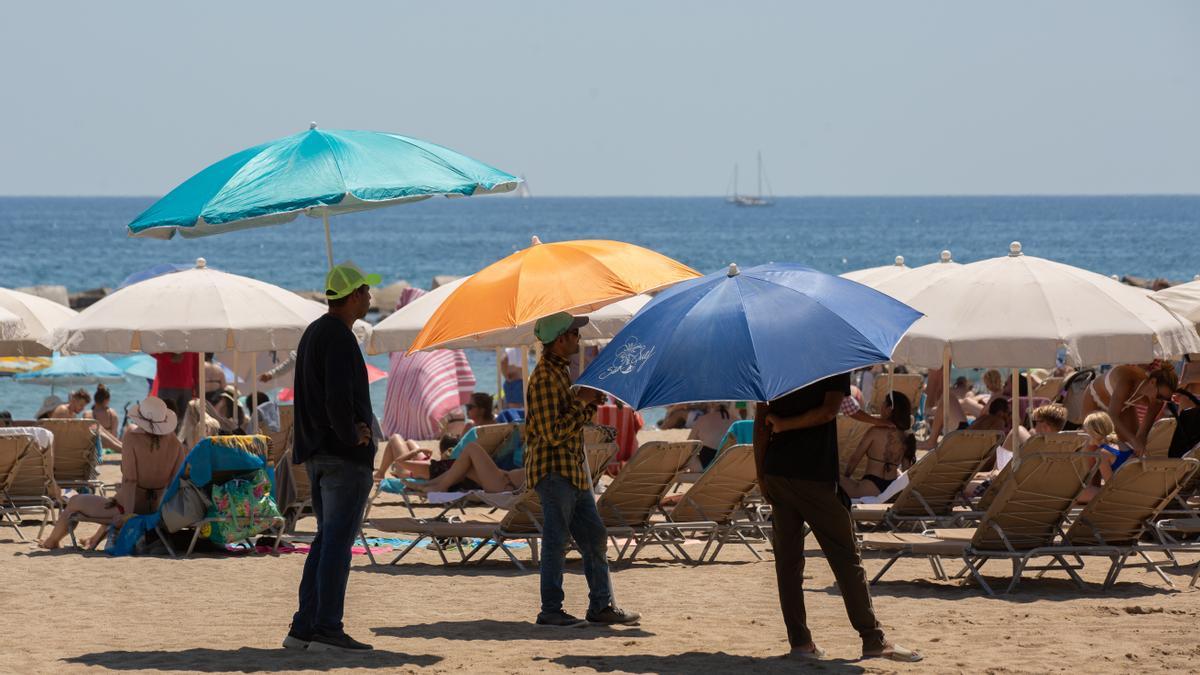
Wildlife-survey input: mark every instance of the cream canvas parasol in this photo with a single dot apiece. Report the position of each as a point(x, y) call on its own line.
point(873, 276)
point(38, 317)
point(1017, 311)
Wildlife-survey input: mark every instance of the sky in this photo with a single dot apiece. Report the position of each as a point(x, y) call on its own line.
point(620, 98)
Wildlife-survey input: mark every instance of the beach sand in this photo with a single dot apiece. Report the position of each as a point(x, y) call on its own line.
point(67, 612)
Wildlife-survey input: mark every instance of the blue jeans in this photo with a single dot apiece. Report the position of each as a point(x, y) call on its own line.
point(340, 489)
point(566, 508)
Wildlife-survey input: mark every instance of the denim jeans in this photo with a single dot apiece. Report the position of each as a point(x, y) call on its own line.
point(566, 508)
point(340, 489)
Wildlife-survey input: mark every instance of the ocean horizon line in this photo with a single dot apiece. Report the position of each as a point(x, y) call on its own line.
point(980, 195)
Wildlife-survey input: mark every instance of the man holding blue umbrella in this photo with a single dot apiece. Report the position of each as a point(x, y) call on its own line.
point(796, 453)
point(787, 334)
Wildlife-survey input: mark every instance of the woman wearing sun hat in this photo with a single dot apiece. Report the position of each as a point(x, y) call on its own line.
point(150, 458)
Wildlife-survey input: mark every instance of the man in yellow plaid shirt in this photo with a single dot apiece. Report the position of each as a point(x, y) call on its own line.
point(554, 466)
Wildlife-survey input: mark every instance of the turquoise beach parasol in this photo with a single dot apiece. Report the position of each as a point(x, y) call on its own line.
point(72, 371)
point(319, 173)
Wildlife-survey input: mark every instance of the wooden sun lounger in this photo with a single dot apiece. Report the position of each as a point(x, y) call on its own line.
point(1059, 443)
point(909, 384)
point(1113, 522)
point(710, 507)
point(1024, 522)
point(1158, 442)
point(76, 453)
point(624, 507)
point(26, 482)
point(935, 483)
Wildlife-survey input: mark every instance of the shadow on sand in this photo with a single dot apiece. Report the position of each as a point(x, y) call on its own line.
point(502, 631)
point(250, 660)
point(701, 662)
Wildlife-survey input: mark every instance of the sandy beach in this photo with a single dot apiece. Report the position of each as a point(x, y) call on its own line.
point(86, 612)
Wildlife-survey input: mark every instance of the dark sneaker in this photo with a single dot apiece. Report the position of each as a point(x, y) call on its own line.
point(559, 619)
point(296, 639)
point(614, 615)
point(336, 643)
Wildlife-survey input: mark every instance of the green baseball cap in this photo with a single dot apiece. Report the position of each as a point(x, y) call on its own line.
point(345, 278)
point(548, 328)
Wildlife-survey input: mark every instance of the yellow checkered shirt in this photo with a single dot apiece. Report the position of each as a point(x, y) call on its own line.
point(554, 421)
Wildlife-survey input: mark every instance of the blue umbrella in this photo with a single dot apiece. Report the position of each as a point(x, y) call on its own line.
point(751, 335)
point(137, 365)
point(317, 172)
point(156, 271)
point(72, 371)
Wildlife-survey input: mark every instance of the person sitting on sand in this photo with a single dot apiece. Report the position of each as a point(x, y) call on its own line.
point(1133, 396)
point(152, 456)
point(73, 407)
point(889, 450)
point(1103, 439)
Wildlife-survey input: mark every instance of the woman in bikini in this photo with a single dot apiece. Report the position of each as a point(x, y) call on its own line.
point(106, 418)
point(1125, 388)
point(889, 450)
point(473, 469)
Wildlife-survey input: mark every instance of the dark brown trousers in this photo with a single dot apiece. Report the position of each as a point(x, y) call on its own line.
point(795, 502)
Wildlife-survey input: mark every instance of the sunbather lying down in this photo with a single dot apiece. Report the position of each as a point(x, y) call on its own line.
point(474, 469)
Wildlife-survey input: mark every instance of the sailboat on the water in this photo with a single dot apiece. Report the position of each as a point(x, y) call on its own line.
point(750, 200)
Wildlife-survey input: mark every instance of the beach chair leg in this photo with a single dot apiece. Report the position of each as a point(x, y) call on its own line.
point(479, 547)
point(1154, 566)
point(366, 544)
point(1018, 566)
point(441, 551)
point(1078, 580)
point(192, 546)
point(512, 557)
point(162, 536)
point(936, 563)
point(408, 548)
point(745, 542)
point(1195, 576)
point(886, 566)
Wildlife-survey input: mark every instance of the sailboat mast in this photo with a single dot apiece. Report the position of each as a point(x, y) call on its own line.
point(760, 174)
point(735, 177)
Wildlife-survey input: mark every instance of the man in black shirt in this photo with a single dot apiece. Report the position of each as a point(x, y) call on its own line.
point(795, 451)
point(333, 440)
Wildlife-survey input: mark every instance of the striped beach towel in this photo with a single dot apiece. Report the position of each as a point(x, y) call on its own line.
point(423, 387)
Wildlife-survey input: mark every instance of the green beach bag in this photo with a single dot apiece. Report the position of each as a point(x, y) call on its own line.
point(243, 508)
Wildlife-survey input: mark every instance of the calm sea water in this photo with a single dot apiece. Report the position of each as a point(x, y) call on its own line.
point(81, 242)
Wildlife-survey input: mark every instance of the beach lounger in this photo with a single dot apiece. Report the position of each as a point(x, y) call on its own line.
point(625, 507)
point(26, 481)
point(1059, 443)
point(1158, 442)
point(280, 441)
point(1049, 389)
point(909, 384)
point(1024, 522)
point(1113, 522)
point(710, 508)
point(935, 483)
point(76, 454)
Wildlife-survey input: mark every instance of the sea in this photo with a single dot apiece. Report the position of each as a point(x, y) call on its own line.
point(81, 242)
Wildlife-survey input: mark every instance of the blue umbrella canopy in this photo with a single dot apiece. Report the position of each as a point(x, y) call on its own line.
point(137, 365)
point(749, 335)
point(155, 271)
point(71, 371)
point(318, 172)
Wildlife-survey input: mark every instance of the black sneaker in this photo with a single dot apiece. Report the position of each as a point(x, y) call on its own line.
point(559, 619)
point(336, 643)
point(613, 615)
point(296, 639)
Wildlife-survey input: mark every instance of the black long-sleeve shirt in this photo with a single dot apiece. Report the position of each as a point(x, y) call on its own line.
point(331, 394)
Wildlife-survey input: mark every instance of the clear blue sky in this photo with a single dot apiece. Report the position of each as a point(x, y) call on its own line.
point(619, 98)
